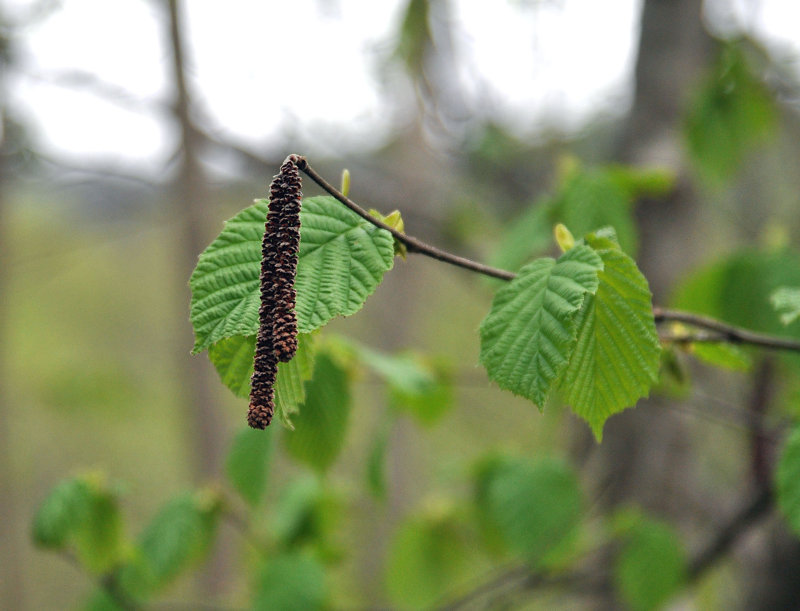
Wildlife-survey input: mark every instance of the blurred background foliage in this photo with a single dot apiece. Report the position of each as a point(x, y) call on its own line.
point(425, 486)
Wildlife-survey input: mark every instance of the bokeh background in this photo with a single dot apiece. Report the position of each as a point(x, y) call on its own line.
point(132, 129)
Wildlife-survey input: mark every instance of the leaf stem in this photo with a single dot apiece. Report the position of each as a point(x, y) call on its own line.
point(723, 331)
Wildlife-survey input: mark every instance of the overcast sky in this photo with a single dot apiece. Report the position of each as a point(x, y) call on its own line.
point(562, 59)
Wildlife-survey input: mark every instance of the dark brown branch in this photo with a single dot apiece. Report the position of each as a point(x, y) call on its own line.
point(411, 243)
point(728, 333)
point(725, 332)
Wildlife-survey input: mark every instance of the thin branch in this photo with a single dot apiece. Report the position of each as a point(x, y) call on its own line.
point(411, 243)
point(725, 332)
point(729, 333)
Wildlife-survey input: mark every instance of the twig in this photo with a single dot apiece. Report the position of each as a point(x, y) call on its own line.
point(411, 243)
point(729, 333)
point(726, 333)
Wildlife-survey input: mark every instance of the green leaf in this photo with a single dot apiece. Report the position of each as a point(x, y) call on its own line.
point(722, 355)
point(529, 333)
point(616, 358)
point(99, 542)
point(290, 582)
point(416, 384)
point(428, 557)
point(651, 566)
point(786, 301)
point(593, 198)
point(536, 506)
point(787, 481)
point(63, 512)
point(529, 234)
point(731, 113)
point(248, 462)
point(84, 512)
point(376, 464)
point(290, 390)
point(308, 515)
point(178, 537)
point(233, 359)
point(342, 260)
point(737, 289)
point(321, 427)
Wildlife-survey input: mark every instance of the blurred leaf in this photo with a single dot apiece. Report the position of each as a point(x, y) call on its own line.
point(247, 463)
point(290, 582)
point(484, 474)
point(342, 260)
point(726, 356)
point(593, 198)
point(642, 182)
point(177, 538)
point(415, 37)
point(428, 557)
point(536, 506)
point(321, 427)
point(528, 235)
point(787, 480)
point(737, 289)
point(101, 600)
point(84, 512)
point(651, 566)
point(731, 113)
point(617, 355)
point(416, 384)
point(376, 464)
point(308, 515)
point(529, 334)
point(63, 512)
point(99, 542)
point(786, 301)
point(233, 359)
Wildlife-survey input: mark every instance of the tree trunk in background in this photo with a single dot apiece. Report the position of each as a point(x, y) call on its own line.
point(645, 456)
point(204, 424)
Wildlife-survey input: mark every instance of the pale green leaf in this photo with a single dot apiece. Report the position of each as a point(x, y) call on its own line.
point(247, 463)
point(83, 512)
point(786, 301)
point(429, 557)
point(178, 537)
point(290, 582)
point(342, 260)
point(99, 542)
point(529, 333)
point(616, 358)
point(321, 426)
point(63, 511)
point(376, 464)
point(651, 565)
point(535, 506)
point(787, 481)
point(722, 355)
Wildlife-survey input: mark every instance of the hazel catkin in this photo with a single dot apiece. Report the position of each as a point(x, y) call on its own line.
point(277, 331)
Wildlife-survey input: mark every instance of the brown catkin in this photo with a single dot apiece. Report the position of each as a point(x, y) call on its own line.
point(277, 330)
